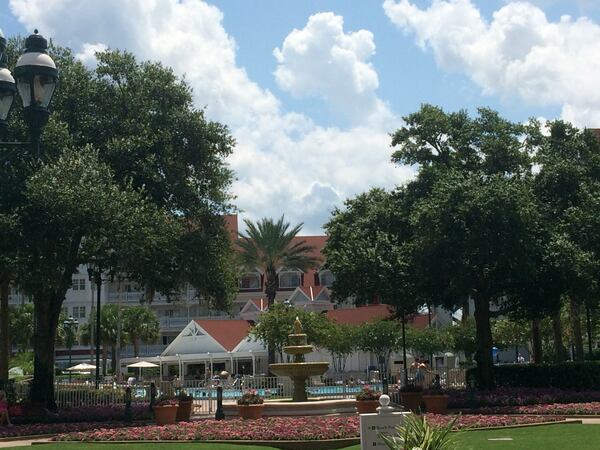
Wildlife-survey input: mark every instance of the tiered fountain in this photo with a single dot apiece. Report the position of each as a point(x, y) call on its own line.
point(299, 370)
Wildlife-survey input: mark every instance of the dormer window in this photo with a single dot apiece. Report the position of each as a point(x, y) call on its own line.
point(289, 279)
point(326, 278)
point(250, 281)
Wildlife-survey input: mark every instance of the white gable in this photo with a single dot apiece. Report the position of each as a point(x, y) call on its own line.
point(248, 344)
point(193, 339)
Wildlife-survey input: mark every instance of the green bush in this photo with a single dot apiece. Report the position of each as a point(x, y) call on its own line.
point(568, 375)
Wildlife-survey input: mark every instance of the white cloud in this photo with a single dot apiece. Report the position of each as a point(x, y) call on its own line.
point(321, 60)
point(284, 162)
point(519, 52)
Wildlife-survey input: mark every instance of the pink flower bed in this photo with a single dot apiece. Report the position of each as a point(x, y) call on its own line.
point(278, 428)
point(561, 409)
point(521, 396)
point(50, 428)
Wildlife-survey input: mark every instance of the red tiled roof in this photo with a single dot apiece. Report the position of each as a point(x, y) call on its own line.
point(371, 313)
point(318, 242)
point(360, 315)
point(228, 333)
point(596, 131)
point(231, 223)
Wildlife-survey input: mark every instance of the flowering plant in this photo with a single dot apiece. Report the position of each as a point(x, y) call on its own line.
point(166, 401)
point(250, 397)
point(367, 394)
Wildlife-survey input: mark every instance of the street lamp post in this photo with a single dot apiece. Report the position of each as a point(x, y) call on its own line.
point(70, 325)
point(95, 276)
point(36, 78)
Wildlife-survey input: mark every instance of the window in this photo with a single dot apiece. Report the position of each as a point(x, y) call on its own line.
point(78, 284)
point(326, 278)
point(78, 312)
point(65, 310)
point(289, 279)
point(250, 280)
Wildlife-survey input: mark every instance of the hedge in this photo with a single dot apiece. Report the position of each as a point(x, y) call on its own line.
point(569, 375)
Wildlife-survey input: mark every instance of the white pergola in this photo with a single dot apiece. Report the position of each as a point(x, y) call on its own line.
point(194, 345)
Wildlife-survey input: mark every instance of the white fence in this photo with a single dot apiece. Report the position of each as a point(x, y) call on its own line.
point(74, 395)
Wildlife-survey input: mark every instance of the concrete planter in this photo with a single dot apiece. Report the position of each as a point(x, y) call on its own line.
point(250, 411)
point(411, 400)
point(367, 406)
point(437, 404)
point(165, 415)
point(184, 410)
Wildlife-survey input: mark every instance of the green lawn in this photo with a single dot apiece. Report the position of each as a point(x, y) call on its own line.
point(553, 437)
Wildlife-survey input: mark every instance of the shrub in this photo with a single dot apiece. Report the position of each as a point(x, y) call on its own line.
point(250, 397)
point(417, 432)
point(570, 375)
point(368, 394)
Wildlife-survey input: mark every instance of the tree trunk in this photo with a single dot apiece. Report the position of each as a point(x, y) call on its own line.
point(576, 326)
point(405, 362)
point(465, 310)
point(4, 341)
point(536, 337)
point(560, 352)
point(136, 347)
point(46, 321)
point(113, 359)
point(271, 292)
point(104, 358)
point(483, 356)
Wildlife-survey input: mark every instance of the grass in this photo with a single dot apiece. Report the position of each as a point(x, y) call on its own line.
point(553, 437)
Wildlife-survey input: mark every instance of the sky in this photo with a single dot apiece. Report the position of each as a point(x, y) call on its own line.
point(311, 90)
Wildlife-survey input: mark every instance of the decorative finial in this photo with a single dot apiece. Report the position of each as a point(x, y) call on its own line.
point(35, 31)
point(297, 326)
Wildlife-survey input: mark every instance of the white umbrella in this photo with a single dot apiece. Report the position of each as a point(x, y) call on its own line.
point(81, 367)
point(15, 372)
point(141, 364)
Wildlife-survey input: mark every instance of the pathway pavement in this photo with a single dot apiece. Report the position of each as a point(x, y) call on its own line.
point(23, 443)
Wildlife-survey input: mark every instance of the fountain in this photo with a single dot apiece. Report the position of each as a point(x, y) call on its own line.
point(299, 370)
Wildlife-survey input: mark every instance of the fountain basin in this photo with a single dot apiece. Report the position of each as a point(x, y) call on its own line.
point(299, 370)
point(298, 349)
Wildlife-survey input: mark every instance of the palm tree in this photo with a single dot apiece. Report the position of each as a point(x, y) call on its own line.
point(141, 325)
point(110, 321)
point(269, 246)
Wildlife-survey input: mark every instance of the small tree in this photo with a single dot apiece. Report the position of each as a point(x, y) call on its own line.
point(277, 323)
point(509, 333)
point(341, 341)
point(463, 338)
point(381, 339)
point(427, 341)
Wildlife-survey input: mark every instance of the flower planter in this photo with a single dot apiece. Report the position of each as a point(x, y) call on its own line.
point(436, 403)
point(367, 406)
point(184, 410)
point(165, 415)
point(250, 411)
point(411, 400)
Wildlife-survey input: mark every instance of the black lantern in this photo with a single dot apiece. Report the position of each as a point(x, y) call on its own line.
point(36, 76)
point(7, 88)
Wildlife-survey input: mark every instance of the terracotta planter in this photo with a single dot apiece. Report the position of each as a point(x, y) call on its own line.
point(165, 415)
point(437, 404)
point(411, 400)
point(250, 411)
point(184, 410)
point(367, 406)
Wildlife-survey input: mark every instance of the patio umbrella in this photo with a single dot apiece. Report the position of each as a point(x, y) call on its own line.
point(141, 364)
point(81, 368)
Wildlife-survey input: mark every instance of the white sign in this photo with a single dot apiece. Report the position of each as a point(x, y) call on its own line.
point(373, 425)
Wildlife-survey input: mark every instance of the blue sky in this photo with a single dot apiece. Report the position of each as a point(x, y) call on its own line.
point(312, 120)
